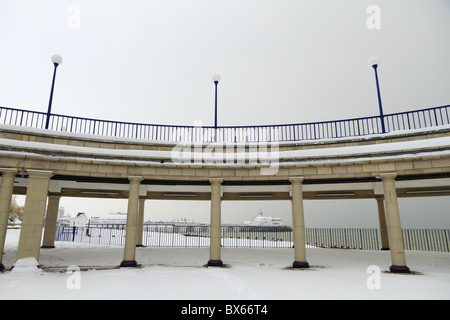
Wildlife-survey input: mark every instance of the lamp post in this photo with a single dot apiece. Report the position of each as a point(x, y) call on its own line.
point(216, 79)
point(57, 60)
point(373, 62)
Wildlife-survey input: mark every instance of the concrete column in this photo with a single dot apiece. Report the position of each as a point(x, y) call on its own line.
point(393, 224)
point(6, 191)
point(140, 229)
point(51, 218)
point(33, 216)
point(383, 226)
point(129, 256)
point(298, 223)
point(216, 224)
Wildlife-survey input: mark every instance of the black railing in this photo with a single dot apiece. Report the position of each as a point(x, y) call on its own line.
point(179, 236)
point(258, 237)
point(363, 239)
point(410, 120)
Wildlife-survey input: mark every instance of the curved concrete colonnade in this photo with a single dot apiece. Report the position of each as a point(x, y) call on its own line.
point(46, 165)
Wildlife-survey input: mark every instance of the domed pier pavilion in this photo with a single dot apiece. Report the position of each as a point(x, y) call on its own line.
point(343, 159)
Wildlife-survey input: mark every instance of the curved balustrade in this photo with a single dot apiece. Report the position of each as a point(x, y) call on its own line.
point(417, 119)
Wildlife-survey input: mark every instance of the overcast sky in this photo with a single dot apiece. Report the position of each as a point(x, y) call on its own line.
point(283, 61)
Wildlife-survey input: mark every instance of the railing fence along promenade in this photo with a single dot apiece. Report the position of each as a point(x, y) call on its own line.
point(254, 237)
point(417, 119)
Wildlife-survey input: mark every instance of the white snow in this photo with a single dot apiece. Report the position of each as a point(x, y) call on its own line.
point(256, 273)
point(103, 138)
point(179, 155)
point(26, 265)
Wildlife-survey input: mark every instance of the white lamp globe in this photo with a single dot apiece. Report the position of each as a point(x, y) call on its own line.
point(56, 58)
point(216, 78)
point(374, 61)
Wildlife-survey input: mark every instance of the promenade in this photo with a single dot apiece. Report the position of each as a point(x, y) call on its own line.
point(256, 273)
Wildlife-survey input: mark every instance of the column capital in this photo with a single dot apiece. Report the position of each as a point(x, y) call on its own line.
point(388, 176)
point(8, 171)
point(216, 180)
point(39, 173)
point(296, 179)
point(135, 178)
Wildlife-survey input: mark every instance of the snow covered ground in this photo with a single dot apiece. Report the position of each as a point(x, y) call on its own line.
point(251, 274)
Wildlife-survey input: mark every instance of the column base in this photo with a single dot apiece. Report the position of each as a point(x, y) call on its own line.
point(140, 246)
point(128, 264)
point(2, 267)
point(48, 247)
point(300, 264)
point(215, 263)
point(385, 249)
point(399, 269)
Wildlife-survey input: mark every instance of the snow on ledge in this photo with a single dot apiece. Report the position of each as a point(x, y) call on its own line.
point(29, 264)
point(218, 158)
point(415, 146)
point(110, 139)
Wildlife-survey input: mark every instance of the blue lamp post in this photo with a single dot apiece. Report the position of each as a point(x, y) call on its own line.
point(373, 62)
point(57, 60)
point(216, 79)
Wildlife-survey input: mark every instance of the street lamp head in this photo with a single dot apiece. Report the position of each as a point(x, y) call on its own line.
point(374, 61)
point(56, 59)
point(216, 78)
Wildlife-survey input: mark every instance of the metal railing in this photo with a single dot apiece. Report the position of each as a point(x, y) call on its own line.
point(410, 120)
point(179, 236)
point(369, 239)
point(255, 237)
point(427, 239)
point(362, 239)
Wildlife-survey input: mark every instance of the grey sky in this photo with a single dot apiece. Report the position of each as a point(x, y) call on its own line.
point(280, 61)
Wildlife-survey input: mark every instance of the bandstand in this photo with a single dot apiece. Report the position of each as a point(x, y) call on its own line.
point(46, 157)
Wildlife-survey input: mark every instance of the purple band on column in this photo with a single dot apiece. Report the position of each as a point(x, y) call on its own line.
point(300, 264)
point(215, 263)
point(399, 269)
point(128, 263)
